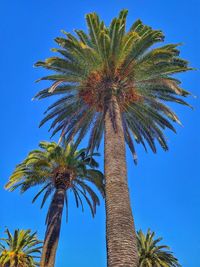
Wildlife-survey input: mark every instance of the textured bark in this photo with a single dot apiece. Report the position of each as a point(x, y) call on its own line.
point(120, 231)
point(53, 229)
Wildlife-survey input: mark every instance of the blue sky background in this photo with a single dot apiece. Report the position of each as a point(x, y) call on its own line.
point(164, 188)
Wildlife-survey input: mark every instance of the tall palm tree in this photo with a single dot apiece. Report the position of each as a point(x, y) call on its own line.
point(58, 169)
point(20, 249)
point(113, 81)
point(153, 255)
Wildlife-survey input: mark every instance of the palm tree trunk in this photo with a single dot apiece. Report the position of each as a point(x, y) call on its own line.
point(120, 231)
point(53, 229)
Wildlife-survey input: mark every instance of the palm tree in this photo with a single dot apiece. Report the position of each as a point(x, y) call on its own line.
point(58, 169)
point(20, 249)
point(153, 255)
point(112, 81)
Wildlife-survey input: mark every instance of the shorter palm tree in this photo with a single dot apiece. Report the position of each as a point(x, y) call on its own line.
point(20, 249)
point(58, 169)
point(153, 255)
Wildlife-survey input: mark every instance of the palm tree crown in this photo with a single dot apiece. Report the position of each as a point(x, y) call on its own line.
point(109, 64)
point(54, 165)
point(20, 249)
point(58, 169)
point(153, 255)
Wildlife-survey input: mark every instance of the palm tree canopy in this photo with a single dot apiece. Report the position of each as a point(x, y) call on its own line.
point(43, 167)
point(20, 249)
point(93, 67)
point(153, 255)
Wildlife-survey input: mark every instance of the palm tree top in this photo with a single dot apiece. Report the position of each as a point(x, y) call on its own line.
point(153, 255)
point(55, 165)
point(20, 250)
point(109, 65)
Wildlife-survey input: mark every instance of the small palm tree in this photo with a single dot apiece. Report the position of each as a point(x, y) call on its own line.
point(58, 169)
point(153, 255)
point(20, 249)
point(115, 82)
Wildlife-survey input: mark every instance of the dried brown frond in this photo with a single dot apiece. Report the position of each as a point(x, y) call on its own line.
point(63, 177)
point(98, 89)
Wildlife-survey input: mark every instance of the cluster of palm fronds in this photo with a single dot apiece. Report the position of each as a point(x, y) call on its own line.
point(22, 249)
point(91, 67)
point(153, 255)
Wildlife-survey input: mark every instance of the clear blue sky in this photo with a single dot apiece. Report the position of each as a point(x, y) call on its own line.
point(164, 188)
